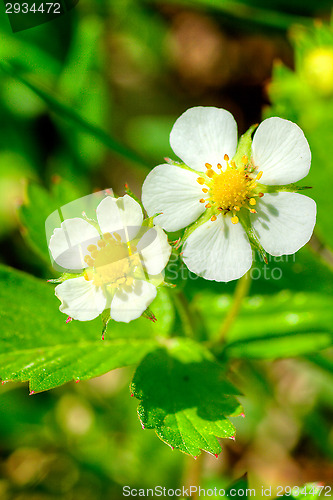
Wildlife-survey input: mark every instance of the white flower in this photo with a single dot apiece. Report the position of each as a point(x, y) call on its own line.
point(119, 260)
point(222, 192)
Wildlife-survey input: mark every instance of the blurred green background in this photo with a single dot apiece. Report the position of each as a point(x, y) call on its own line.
point(87, 102)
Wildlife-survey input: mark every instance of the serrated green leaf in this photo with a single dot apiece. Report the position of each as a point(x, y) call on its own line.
point(37, 345)
point(185, 397)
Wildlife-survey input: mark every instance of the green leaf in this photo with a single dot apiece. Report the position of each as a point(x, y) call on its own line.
point(281, 325)
point(37, 345)
point(185, 397)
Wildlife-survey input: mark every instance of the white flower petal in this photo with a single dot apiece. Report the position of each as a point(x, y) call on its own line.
point(122, 215)
point(218, 250)
point(68, 244)
point(80, 299)
point(284, 222)
point(175, 193)
point(126, 306)
point(155, 250)
point(281, 151)
point(204, 135)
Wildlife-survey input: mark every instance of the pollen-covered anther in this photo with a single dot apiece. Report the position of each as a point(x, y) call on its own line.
point(208, 166)
point(226, 157)
point(91, 248)
point(213, 218)
point(252, 201)
point(88, 260)
point(101, 243)
point(244, 160)
point(208, 205)
point(201, 180)
point(204, 190)
point(234, 219)
point(253, 211)
point(237, 208)
point(210, 173)
point(261, 195)
point(202, 200)
point(259, 176)
point(219, 166)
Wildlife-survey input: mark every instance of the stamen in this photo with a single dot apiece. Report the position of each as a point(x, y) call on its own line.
point(252, 201)
point(210, 173)
point(226, 157)
point(88, 260)
point(204, 190)
point(253, 211)
point(201, 180)
point(219, 166)
point(213, 218)
point(208, 165)
point(244, 160)
point(101, 243)
point(237, 209)
point(233, 164)
point(259, 176)
point(261, 195)
point(234, 219)
point(91, 248)
point(117, 236)
point(208, 205)
point(202, 200)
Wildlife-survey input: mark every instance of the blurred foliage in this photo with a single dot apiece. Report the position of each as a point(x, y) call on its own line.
point(87, 102)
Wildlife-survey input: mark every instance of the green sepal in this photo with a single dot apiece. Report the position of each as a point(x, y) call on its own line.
point(244, 146)
point(255, 243)
point(168, 285)
point(148, 314)
point(105, 316)
point(182, 165)
point(277, 188)
point(130, 193)
point(64, 277)
point(149, 222)
point(201, 220)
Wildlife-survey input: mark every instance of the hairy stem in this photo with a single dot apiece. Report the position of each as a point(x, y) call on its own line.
point(185, 314)
point(241, 291)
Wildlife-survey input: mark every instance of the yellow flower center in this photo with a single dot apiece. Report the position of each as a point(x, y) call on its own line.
point(230, 190)
point(110, 262)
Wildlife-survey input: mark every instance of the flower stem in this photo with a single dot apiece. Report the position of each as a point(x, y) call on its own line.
point(242, 289)
point(185, 314)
